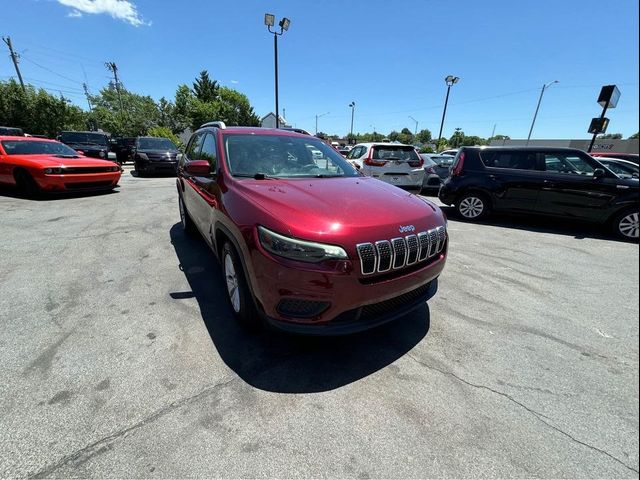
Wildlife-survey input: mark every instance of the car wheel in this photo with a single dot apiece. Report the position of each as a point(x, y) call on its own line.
point(137, 169)
point(185, 219)
point(472, 206)
point(26, 184)
point(238, 292)
point(626, 225)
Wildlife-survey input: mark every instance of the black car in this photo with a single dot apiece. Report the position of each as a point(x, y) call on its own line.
point(559, 182)
point(90, 144)
point(123, 147)
point(155, 155)
point(12, 131)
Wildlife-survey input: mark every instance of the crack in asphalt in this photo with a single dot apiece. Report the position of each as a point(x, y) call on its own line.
point(104, 444)
point(538, 415)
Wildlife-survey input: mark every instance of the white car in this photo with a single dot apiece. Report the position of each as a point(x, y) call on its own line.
point(393, 163)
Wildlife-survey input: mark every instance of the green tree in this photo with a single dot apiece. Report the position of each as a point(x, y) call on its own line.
point(424, 136)
point(205, 89)
point(37, 111)
point(634, 136)
point(165, 132)
point(139, 113)
point(611, 136)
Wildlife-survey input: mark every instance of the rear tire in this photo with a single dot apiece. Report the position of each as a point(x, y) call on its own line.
point(625, 224)
point(473, 206)
point(185, 219)
point(26, 184)
point(238, 293)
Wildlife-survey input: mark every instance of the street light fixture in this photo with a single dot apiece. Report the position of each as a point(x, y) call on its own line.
point(449, 80)
point(352, 105)
point(416, 132)
point(544, 87)
point(269, 21)
point(317, 117)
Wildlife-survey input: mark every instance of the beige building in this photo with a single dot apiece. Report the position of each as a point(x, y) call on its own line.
point(601, 145)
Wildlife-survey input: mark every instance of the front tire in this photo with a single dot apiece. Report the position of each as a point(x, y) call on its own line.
point(26, 184)
point(473, 206)
point(238, 293)
point(626, 225)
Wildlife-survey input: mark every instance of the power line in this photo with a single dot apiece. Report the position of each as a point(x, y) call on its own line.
point(52, 71)
point(31, 79)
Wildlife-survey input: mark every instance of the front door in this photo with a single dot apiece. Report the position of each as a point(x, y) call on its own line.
point(571, 190)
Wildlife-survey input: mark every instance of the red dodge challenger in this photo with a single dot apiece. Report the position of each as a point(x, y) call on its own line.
point(37, 165)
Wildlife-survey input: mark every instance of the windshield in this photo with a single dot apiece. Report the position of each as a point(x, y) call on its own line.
point(34, 147)
point(283, 156)
point(621, 169)
point(391, 152)
point(156, 144)
point(83, 137)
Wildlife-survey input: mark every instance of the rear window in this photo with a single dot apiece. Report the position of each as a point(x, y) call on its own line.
point(390, 152)
point(509, 159)
point(11, 131)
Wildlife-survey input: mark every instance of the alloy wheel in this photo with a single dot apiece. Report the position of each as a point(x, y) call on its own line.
point(471, 207)
point(629, 226)
point(232, 283)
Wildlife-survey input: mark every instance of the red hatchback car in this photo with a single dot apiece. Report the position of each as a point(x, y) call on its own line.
point(37, 165)
point(306, 242)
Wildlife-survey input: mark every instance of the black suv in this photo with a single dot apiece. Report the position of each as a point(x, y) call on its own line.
point(90, 144)
point(155, 155)
point(559, 182)
point(123, 148)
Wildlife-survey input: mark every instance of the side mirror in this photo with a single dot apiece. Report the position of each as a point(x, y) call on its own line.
point(199, 168)
point(599, 173)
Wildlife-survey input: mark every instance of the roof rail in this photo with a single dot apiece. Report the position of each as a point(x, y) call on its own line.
point(219, 124)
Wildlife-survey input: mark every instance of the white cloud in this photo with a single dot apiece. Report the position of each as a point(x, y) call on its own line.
point(235, 82)
point(123, 10)
point(74, 14)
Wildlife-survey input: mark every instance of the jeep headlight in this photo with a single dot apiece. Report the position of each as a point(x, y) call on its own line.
point(299, 250)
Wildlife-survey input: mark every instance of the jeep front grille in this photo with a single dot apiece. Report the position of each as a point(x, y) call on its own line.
point(384, 255)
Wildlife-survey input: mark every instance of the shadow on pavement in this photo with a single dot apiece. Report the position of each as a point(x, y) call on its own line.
point(280, 362)
point(573, 228)
point(11, 192)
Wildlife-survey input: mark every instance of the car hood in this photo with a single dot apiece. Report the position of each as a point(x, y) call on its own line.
point(340, 210)
point(161, 152)
point(51, 161)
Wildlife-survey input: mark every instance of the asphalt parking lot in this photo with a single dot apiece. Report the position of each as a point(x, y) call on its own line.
point(120, 358)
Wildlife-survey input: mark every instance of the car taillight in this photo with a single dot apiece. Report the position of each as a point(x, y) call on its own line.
point(457, 168)
point(430, 170)
point(373, 163)
point(416, 163)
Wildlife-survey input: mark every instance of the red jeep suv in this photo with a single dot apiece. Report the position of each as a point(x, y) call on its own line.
point(305, 242)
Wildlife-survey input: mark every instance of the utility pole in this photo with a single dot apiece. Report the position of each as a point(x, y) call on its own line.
point(535, 115)
point(416, 122)
point(14, 58)
point(113, 68)
point(86, 92)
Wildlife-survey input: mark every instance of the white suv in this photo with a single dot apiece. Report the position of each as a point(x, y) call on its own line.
point(393, 163)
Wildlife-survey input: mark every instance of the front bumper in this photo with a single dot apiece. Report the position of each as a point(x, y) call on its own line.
point(78, 182)
point(350, 302)
point(446, 194)
point(157, 167)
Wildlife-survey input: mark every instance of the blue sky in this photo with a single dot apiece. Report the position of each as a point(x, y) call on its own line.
point(389, 57)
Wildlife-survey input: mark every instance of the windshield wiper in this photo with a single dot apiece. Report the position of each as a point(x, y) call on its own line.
point(257, 176)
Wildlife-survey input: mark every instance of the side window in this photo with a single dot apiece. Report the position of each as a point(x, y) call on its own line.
point(569, 164)
point(195, 144)
point(513, 160)
point(352, 153)
point(209, 152)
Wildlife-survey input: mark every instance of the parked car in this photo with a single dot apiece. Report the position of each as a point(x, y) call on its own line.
point(295, 247)
point(155, 155)
point(394, 163)
point(558, 182)
point(37, 165)
point(343, 151)
point(436, 169)
point(630, 157)
point(622, 168)
point(13, 131)
point(452, 152)
point(123, 147)
point(90, 144)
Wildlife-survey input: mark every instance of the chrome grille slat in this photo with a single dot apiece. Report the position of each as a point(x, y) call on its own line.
point(368, 258)
point(412, 249)
point(384, 255)
point(399, 251)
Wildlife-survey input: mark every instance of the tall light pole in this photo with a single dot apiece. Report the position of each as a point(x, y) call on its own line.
point(544, 87)
point(416, 132)
point(352, 105)
point(269, 21)
point(317, 117)
point(449, 80)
